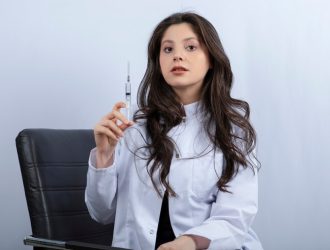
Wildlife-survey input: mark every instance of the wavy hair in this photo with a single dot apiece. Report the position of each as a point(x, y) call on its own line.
point(161, 109)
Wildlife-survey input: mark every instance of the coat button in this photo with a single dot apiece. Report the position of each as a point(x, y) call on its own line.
point(152, 231)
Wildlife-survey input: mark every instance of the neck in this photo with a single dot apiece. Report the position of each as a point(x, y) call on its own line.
point(187, 98)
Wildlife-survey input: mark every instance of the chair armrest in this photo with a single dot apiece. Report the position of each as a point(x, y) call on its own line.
point(77, 245)
point(66, 245)
point(40, 242)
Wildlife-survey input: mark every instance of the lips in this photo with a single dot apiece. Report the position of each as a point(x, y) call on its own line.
point(178, 69)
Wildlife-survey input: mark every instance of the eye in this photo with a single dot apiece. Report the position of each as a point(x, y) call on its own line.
point(191, 47)
point(168, 49)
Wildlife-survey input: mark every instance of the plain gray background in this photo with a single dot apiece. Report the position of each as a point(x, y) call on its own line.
point(63, 65)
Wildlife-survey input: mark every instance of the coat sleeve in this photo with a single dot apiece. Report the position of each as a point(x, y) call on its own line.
point(101, 188)
point(232, 213)
point(104, 185)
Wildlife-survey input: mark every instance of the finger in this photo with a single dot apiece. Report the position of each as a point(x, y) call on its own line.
point(119, 105)
point(101, 130)
point(124, 126)
point(116, 107)
point(121, 117)
point(113, 127)
point(109, 116)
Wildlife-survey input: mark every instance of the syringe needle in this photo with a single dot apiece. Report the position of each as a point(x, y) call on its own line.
point(128, 73)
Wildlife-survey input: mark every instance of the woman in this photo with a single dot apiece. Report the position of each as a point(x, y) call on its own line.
point(182, 175)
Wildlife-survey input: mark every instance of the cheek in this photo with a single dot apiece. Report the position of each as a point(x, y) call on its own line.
point(205, 63)
point(204, 59)
point(161, 62)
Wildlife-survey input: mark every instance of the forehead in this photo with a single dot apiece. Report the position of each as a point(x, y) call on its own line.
point(179, 32)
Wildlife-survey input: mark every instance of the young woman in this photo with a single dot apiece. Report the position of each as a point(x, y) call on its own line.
point(182, 175)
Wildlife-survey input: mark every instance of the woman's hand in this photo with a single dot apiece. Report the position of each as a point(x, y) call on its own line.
point(181, 243)
point(107, 133)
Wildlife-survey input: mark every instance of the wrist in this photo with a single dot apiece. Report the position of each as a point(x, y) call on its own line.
point(199, 241)
point(103, 159)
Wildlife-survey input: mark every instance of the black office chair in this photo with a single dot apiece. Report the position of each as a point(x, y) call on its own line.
point(54, 166)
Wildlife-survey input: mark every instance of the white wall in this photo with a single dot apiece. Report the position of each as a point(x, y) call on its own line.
point(63, 65)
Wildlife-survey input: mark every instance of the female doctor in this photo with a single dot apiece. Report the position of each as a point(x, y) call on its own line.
point(182, 176)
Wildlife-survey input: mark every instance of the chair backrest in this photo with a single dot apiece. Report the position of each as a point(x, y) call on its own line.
point(54, 165)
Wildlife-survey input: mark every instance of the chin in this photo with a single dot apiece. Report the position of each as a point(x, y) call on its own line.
point(177, 84)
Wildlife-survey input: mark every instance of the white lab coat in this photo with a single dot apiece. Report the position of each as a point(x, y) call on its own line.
point(123, 192)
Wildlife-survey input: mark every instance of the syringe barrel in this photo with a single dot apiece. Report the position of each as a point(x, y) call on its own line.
point(128, 89)
point(128, 99)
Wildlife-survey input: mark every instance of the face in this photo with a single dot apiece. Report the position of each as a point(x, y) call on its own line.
point(184, 61)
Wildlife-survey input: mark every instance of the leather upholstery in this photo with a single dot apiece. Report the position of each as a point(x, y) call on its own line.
point(54, 166)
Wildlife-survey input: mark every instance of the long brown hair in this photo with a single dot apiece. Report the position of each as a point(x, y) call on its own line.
point(161, 109)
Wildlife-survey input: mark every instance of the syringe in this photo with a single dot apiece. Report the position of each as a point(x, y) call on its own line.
point(128, 94)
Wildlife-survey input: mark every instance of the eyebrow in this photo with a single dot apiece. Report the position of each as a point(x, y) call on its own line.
point(186, 39)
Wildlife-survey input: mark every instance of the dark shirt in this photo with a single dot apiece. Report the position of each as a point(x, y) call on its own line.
point(164, 232)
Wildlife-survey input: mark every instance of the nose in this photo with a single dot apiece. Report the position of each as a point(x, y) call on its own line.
point(178, 55)
point(177, 58)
